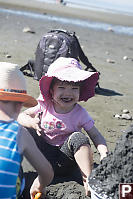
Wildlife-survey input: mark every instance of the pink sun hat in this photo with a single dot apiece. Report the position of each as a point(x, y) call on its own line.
point(69, 69)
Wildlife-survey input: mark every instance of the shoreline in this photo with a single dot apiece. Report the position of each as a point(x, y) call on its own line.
point(64, 11)
point(99, 26)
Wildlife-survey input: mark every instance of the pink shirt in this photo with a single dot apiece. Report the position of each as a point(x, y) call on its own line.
point(57, 127)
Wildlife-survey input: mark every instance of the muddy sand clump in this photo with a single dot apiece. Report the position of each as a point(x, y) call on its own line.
point(65, 187)
point(116, 168)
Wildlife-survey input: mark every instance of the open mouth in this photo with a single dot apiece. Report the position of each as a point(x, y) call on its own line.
point(66, 99)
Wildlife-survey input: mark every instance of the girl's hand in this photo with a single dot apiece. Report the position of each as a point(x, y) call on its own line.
point(103, 156)
point(87, 191)
point(36, 123)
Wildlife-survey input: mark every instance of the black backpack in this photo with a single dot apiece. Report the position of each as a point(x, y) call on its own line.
point(54, 44)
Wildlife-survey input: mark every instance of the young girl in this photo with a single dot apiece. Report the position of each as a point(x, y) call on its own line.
point(58, 118)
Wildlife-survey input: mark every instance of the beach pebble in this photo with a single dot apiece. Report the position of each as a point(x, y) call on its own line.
point(110, 29)
point(107, 52)
point(125, 58)
point(8, 56)
point(126, 116)
point(125, 111)
point(117, 116)
point(28, 30)
point(110, 61)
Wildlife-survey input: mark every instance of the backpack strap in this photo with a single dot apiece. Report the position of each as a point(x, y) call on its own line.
point(62, 31)
point(28, 68)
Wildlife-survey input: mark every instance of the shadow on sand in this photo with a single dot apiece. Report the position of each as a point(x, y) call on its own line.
point(106, 92)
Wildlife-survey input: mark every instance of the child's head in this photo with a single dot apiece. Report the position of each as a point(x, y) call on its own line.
point(69, 70)
point(13, 85)
point(64, 94)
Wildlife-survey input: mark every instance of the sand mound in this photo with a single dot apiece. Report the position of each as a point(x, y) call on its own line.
point(115, 169)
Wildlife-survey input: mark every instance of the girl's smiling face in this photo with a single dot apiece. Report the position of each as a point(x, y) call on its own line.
point(64, 95)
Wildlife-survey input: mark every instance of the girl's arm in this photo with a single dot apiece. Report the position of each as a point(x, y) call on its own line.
point(99, 141)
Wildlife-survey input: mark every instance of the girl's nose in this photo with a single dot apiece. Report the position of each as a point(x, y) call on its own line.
point(68, 91)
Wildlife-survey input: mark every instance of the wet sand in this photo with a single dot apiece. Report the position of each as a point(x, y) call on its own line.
point(69, 12)
point(115, 79)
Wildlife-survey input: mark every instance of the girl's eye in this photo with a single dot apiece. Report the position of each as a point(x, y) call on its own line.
point(61, 87)
point(75, 88)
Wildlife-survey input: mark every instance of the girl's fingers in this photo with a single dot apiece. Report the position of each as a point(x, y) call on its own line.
point(38, 133)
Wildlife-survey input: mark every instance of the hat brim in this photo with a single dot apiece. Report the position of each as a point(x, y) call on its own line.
point(28, 101)
point(89, 81)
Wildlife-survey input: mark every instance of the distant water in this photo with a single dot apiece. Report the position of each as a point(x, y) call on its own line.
point(121, 6)
point(114, 6)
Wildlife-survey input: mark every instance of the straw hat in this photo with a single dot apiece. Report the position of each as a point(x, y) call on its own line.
point(13, 85)
point(69, 69)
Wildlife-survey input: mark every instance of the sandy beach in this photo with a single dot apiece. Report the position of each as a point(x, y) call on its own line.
point(116, 77)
